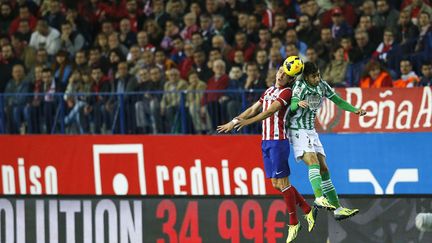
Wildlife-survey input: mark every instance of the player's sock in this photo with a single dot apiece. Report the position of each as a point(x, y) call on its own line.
point(315, 180)
point(301, 201)
point(290, 201)
point(329, 190)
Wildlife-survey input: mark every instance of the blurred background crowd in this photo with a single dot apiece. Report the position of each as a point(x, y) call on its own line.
point(155, 66)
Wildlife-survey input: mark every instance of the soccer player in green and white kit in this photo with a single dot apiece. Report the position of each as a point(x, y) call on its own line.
point(307, 97)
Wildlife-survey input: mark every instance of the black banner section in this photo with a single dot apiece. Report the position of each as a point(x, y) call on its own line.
point(168, 220)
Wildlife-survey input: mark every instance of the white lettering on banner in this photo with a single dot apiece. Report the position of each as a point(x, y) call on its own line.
point(20, 222)
point(34, 176)
point(387, 110)
point(108, 207)
point(399, 176)
point(213, 181)
point(137, 149)
point(131, 229)
point(124, 223)
point(69, 208)
point(6, 209)
point(425, 108)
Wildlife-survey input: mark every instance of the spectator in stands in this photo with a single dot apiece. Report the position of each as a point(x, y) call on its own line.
point(423, 45)
point(363, 50)
point(45, 37)
point(171, 99)
point(149, 106)
point(81, 24)
point(312, 56)
point(162, 62)
point(171, 30)
point(346, 9)
point(252, 27)
point(18, 107)
point(80, 61)
point(368, 8)
point(387, 50)
point(200, 65)
point(426, 78)
point(95, 58)
point(159, 14)
point(219, 42)
point(264, 38)
point(190, 26)
point(143, 42)
point(231, 101)
point(206, 27)
point(6, 16)
point(375, 33)
point(215, 54)
point(408, 77)
point(375, 76)
point(24, 30)
point(36, 100)
point(306, 31)
point(385, 15)
point(325, 44)
point(241, 43)
point(291, 50)
point(175, 9)
point(125, 83)
point(74, 104)
point(101, 43)
point(50, 87)
point(239, 60)
point(210, 100)
point(99, 102)
point(54, 16)
point(24, 15)
point(7, 61)
point(275, 58)
point(262, 62)
point(62, 69)
point(291, 38)
point(115, 57)
point(127, 36)
point(154, 32)
point(177, 52)
point(335, 72)
point(199, 43)
point(314, 12)
point(71, 41)
point(186, 64)
point(114, 43)
point(42, 58)
point(406, 32)
point(196, 88)
point(143, 103)
point(338, 26)
point(416, 8)
point(22, 51)
point(220, 27)
point(280, 26)
point(271, 78)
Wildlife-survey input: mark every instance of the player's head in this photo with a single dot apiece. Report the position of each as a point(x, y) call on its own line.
point(282, 79)
point(293, 66)
point(311, 74)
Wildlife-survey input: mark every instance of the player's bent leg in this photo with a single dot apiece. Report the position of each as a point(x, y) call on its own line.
point(329, 190)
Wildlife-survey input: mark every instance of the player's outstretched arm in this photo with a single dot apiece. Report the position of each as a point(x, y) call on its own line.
point(249, 112)
point(274, 107)
point(343, 104)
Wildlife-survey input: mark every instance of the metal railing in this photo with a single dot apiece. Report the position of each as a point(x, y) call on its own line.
point(157, 112)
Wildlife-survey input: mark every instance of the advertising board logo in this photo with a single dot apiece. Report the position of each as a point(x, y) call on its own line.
point(119, 169)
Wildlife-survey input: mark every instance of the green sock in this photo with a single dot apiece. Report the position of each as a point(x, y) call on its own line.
point(329, 190)
point(315, 179)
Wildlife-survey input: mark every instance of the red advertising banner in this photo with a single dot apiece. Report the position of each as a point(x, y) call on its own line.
point(132, 165)
point(389, 110)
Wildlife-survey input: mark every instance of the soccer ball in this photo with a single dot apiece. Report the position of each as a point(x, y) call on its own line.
point(293, 66)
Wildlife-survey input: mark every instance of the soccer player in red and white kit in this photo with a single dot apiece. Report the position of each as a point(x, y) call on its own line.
point(272, 109)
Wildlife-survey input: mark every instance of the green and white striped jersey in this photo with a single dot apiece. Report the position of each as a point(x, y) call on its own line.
point(305, 118)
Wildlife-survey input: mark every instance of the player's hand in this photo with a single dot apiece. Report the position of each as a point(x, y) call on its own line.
point(242, 123)
point(303, 104)
point(227, 127)
point(360, 112)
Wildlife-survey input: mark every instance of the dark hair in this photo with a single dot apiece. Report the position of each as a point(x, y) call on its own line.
point(309, 68)
point(46, 70)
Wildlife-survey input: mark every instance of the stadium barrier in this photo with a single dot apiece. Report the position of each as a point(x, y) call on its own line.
point(202, 219)
point(389, 110)
point(369, 163)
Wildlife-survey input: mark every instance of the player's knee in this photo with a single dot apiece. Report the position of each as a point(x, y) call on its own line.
point(275, 185)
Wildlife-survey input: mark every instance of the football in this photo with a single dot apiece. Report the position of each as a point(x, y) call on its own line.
point(293, 66)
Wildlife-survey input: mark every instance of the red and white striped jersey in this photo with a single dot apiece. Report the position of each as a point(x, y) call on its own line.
point(273, 128)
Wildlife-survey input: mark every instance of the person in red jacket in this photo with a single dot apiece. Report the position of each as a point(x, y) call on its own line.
point(375, 76)
point(219, 81)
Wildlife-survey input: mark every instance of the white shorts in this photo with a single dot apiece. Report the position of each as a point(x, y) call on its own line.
point(303, 140)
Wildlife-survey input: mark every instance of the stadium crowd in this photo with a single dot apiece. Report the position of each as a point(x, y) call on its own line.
point(135, 56)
